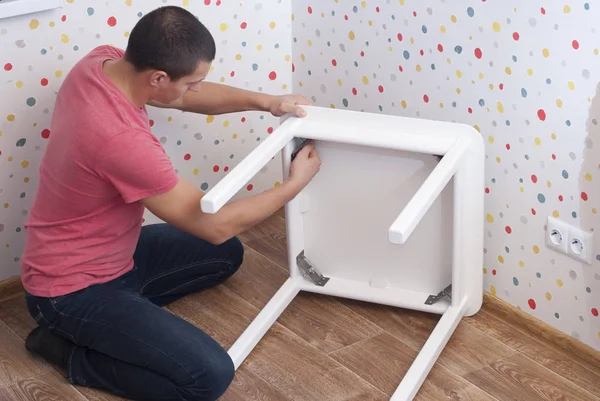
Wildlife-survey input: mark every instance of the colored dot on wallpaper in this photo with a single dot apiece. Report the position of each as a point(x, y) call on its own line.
point(46, 133)
point(112, 21)
point(64, 38)
point(33, 24)
point(8, 67)
point(496, 27)
point(223, 27)
point(272, 25)
point(567, 9)
point(532, 303)
point(10, 117)
point(90, 11)
point(470, 12)
point(351, 35)
point(571, 85)
point(536, 249)
point(30, 101)
point(272, 75)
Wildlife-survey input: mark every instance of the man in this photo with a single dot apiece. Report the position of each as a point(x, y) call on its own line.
point(95, 279)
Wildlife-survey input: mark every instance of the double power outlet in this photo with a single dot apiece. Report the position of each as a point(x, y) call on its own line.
point(569, 240)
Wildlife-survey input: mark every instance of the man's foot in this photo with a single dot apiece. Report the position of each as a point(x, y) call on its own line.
point(52, 348)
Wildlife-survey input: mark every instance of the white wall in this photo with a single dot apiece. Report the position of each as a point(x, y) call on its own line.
point(492, 65)
point(44, 46)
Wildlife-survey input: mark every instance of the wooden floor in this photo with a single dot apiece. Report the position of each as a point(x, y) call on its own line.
point(331, 349)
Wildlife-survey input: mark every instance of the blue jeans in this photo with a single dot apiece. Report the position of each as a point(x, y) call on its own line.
point(126, 342)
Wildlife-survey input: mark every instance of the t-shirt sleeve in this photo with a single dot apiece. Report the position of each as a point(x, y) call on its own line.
point(136, 164)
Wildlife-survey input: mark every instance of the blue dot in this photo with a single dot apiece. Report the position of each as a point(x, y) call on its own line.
point(367, 43)
point(380, 108)
point(458, 49)
point(588, 290)
point(179, 143)
point(328, 44)
point(507, 122)
point(433, 66)
point(355, 9)
point(18, 229)
point(526, 157)
point(481, 102)
point(568, 122)
point(406, 54)
point(140, 14)
point(90, 11)
point(75, 47)
point(515, 281)
point(538, 275)
point(453, 104)
point(345, 102)
point(523, 92)
point(556, 315)
point(541, 198)
point(548, 81)
point(574, 215)
point(31, 102)
point(586, 6)
point(493, 180)
point(389, 40)
point(356, 63)
point(520, 180)
point(506, 249)
point(277, 45)
point(333, 13)
point(470, 11)
point(309, 72)
point(514, 58)
point(598, 257)
point(216, 142)
point(393, 18)
point(565, 174)
point(243, 44)
point(204, 186)
point(43, 51)
point(424, 29)
point(254, 67)
point(262, 117)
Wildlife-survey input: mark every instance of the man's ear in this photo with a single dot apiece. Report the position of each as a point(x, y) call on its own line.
point(158, 78)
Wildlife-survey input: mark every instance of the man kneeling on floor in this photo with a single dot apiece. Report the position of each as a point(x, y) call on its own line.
point(95, 278)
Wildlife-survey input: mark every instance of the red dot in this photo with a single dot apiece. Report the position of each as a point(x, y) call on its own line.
point(46, 133)
point(309, 9)
point(399, 37)
point(543, 11)
point(440, 48)
point(216, 168)
point(272, 75)
point(575, 45)
point(421, 52)
point(362, 53)
point(112, 21)
point(494, 272)
point(249, 187)
point(516, 35)
point(541, 114)
point(346, 17)
point(508, 146)
point(187, 157)
point(293, 67)
point(501, 86)
point(595, 312)
point(218, 3)
point(470, 110)
point(232, 74)
point(533, 178)
point(206, 2)
point(560, 198)
point(377, 9)
point(531, 303)
point(270, 130)
point(380, 89)
point(553, 156)
point(243, 25)
point(63, 18)
point(226, 169)
point(354, 91)
point(487, 190)
point(584, 196)
point(533, 212)
point(478, 53)
point(400, 68)
point(508, 229)
point(8, 67)
point(151, 123)
point(243, 119)
point(414, 13)
point(333, 62)
point(44, 82)
point(426, 98)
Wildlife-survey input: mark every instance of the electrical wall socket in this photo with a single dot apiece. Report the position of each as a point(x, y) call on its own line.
point(569, 240)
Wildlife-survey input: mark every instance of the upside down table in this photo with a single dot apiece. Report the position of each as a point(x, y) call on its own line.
point(394, 217)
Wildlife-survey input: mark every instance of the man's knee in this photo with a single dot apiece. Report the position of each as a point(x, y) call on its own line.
point(235, 252)
point(215, 378)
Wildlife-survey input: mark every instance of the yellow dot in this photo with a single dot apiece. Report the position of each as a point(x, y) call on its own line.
point(0, 132)
point(309, 42)
point(489, 218)
point(441, 105)
point(553, 136)
point(365, 80)
point(594, 211)
point(6, 205)
point(58, 74)
point(493, 290)
point(277, 183)
point(500, 107)
point(521, 263)
point(496, 27)
point(226, 123)
point(599, 334)
point(491, 139)
point(284, 86)
point(401, 2)
point(500, 259)
point(222, 79)
point(339, 82)
point(567, 9)
point(559, 282)
point(481, 76)
point(238, 56)
point(538, 141)
point(128, 2)
point(549, 296)
point(10, 158)
point(576, 298)
point(403, 104)
point(24, 164)
point(484, 270)
point(26, 179)
point(302, 57)
point(521, 189)
point(287, 57)
point(498, 160)
point(51, 24)
point(351, 35)
point(33, 24)
point(458, 90)
point(536, 249)
point(300, 84)
point(459, 73)
point(418, 68)
point(10, 117)
point(491, 87)
point(272, 25)
point(529, 72)
point(442, 29)
point(210, 119)
point(453, 19)
point(363, 4)
point(555, 214)
point(332, 106)
point(546, 52)
point(477, 128)
point(235, 136)
point(195, 171)
point(548, 184)
point(588, 177)
point(259, 47)
point(571, 85)
point(70, 1)
point(559, 103)
point(185, 3)
point(412, 41)
point(596, 52)
point(370, 23)
point(64, 38)
point(19, 84)
point(508, 70)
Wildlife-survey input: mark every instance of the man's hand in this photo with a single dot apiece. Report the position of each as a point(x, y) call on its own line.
point(280, 105)
point(304, 167)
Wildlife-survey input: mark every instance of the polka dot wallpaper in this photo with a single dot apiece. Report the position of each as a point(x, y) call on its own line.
point(525, 75)
point(38, 50)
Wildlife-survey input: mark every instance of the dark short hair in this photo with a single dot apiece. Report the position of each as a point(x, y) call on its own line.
point(170, 39)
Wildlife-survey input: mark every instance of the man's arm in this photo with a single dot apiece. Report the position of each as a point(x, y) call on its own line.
point(214, 99)
point(180, 206)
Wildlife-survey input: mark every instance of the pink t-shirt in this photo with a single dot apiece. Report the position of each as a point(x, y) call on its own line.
point(101, 159)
